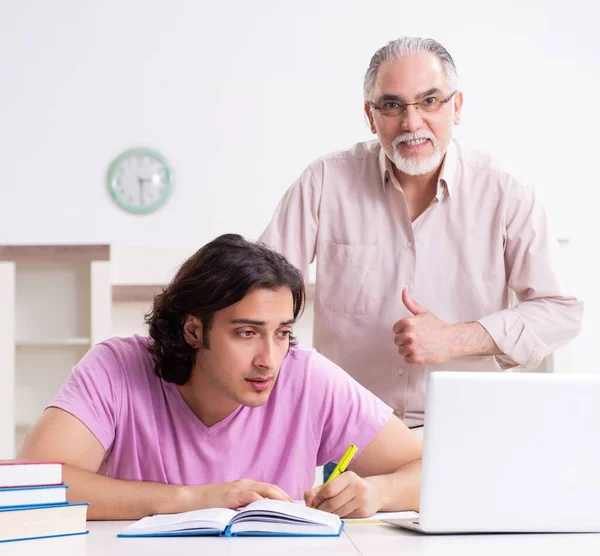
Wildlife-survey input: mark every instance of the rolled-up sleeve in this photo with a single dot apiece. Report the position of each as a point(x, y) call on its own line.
point(546, 316)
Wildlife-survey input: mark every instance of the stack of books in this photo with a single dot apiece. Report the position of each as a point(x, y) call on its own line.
point(33, 502)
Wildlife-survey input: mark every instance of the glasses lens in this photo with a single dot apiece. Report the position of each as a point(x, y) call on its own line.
point(391, 111)
point(430, 104)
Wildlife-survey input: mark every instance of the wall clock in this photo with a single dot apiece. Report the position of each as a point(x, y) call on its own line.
point(140, 180)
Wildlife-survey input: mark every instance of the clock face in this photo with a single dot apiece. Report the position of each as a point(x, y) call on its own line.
point(140, 180)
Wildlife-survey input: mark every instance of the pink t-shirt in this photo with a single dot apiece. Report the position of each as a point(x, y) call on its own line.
point(314, 412)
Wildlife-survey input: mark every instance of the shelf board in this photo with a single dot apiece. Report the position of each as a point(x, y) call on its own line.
point(54, 342)
point(54, 253)
point(126, 293)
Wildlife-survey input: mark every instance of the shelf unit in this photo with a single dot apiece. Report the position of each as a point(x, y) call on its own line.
point(58, 301)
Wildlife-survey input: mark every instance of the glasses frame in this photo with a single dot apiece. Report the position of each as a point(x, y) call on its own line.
point(403, 106)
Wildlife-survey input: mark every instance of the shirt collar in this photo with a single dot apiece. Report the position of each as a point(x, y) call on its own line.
point(385, 168)
point(447, 172)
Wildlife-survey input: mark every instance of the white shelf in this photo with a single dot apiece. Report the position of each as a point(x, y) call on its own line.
point(49, 333)
point(53, 342)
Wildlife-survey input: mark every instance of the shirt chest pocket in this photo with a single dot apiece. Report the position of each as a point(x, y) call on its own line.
point(346, 277)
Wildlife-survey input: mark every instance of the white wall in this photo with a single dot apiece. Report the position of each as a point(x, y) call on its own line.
point(240, 96)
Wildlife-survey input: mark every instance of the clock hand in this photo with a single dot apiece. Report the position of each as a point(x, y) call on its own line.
point(141, 183)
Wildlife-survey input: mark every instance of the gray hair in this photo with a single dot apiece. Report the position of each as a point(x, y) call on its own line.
point(402, 47)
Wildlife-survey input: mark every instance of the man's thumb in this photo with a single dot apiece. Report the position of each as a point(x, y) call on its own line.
point(411, 304)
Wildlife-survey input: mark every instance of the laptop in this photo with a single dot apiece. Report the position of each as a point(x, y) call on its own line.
point(510, 452)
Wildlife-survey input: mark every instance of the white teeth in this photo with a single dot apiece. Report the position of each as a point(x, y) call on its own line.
point(414, 142)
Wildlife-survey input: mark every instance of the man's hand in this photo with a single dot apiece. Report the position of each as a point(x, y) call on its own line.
point(233, 494)
point(423, 339)
point(347, 496)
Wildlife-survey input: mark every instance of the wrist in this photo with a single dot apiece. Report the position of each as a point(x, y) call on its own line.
point(183, 498)
point(382, 487)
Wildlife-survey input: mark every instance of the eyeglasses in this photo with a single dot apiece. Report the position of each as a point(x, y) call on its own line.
point(428, 105)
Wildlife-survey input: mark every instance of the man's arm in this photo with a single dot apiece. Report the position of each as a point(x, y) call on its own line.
point(59, 436)
point(293, 228)
point(385, 477)
point(545, 318)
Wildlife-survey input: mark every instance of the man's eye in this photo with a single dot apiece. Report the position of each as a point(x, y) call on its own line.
point(390, 106)
point(430, 101)
point(285, 333)
point(245, 333)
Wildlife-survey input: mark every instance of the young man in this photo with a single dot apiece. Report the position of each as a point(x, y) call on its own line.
point(218, 408)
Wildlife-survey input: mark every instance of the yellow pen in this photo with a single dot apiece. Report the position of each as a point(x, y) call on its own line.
point(343, 463)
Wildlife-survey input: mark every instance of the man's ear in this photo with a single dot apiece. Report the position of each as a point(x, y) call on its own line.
point(370, 117)
point(458, 102)
point(192, 331)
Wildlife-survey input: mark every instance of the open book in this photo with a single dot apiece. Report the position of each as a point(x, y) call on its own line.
point(261, 518)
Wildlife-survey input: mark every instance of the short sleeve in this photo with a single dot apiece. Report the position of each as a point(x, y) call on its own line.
point(93, 393)
point(345, 412)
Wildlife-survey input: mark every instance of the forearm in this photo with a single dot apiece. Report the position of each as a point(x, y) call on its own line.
point(400, 490)
point(117, 499)
point(471, 338)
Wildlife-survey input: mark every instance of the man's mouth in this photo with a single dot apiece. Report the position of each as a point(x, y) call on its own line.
point(260, 383)
point(414, 142)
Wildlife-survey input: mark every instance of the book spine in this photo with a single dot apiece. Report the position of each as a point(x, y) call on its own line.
point(227, 532)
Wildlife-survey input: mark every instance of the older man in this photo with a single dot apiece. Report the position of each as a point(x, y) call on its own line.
point(419, 242)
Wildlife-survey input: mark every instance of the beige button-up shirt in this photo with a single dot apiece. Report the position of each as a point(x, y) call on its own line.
point(484, 234)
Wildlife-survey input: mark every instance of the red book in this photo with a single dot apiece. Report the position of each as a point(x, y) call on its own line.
point(24, 473)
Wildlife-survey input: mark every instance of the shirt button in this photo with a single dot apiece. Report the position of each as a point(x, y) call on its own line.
point(409, 244)
point(400, 371)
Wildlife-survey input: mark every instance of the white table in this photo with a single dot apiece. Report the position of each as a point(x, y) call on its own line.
point(102, 541)
point(358, 539)
point(382, 540)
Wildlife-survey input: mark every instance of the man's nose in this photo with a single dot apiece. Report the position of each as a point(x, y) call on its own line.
point(265, 359)
point(411, 120)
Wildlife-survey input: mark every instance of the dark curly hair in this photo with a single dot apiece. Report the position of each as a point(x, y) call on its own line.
point(220, 274)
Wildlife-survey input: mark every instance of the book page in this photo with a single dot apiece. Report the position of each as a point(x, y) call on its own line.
point(277, 511)
point(212, 518)
point(284, 528)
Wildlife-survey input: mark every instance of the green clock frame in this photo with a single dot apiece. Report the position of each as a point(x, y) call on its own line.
point(117, 163)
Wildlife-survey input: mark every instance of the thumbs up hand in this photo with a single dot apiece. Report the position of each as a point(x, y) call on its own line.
point(423, 339)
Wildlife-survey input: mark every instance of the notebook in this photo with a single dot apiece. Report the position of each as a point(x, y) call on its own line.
point(261, 518)
point(508, 453)
point(20, 473)
point(17, 524)
point(33, 496)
